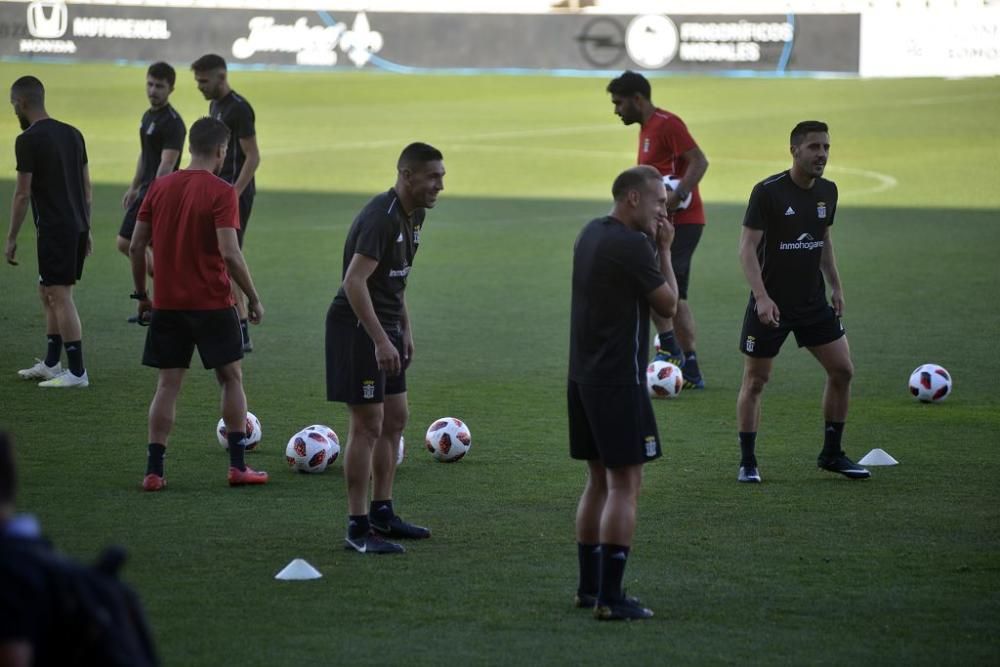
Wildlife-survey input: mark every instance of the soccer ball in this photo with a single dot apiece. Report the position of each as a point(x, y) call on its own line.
point(312, 449)
point(671, 183)
point(253, 432)
point(331, 436)
point(664, 379)
point(448, 439)
point(930, 383)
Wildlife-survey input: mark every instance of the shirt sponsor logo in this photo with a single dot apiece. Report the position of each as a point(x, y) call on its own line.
point(312, 45)
point(399, 273)
point(804, 242)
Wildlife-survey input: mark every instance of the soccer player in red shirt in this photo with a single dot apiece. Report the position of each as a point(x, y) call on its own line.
point(190, 218)
point(665, 143)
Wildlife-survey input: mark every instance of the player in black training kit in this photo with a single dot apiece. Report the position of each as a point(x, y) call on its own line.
point(369, 345)
point(161, 141)
point(242, 155)
point(786, 250)
point(617, 277)
point(52, 175)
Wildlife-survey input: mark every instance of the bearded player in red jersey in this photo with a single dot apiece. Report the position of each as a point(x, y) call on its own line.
point(665, 143)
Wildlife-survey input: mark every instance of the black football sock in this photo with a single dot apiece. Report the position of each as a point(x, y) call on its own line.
point(245, 330)
point(691, 369)
point(154, 458)
point(589, 556)
point(237, 447)
point(613, 560)
point(53, 349)
point(357, 526)
point(831, 439)
point(74, 354)
point(748, 443)
point(668, 344)
point(381, 510)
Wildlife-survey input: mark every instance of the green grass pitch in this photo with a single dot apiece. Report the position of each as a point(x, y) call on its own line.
point(807, 568)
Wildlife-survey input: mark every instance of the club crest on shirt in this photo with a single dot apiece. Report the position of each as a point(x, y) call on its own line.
point(645, 145)
point(821, 210)
point(416, 233)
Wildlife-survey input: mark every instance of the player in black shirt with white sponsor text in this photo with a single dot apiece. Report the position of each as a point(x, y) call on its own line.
point(786, 251)
point(161, 142)
point(618, 276)
point(369, 345)
point(52, 176)
point(242, 154)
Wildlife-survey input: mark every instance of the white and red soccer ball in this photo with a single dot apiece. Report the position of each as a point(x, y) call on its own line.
point(671, 183)
point(664, 379)
point(448, 439)
point(312, 449)
point(930, 383)
point(253, 432)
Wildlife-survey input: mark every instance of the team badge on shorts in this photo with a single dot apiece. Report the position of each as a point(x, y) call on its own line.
point(650, 446)
point(368, 389)
point(821, 210)
point(750, 344)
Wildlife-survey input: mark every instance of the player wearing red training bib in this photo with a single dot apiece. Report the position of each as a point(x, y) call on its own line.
point(666, 144)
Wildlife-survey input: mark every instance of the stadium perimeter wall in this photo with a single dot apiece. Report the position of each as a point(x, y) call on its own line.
point(880, 41)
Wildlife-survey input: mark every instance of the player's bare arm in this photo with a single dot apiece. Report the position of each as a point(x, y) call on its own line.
point(18, 210)
point(229, 248)
point(252, 153)
point(141, 238)
point(697, 165)
point(828, 265)
point(767, 310)
point(356, 290)
point(168, 158)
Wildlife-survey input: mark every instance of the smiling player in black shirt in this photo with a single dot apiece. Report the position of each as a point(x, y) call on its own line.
point(618, 277)
point(786, 252)
point(369, 345)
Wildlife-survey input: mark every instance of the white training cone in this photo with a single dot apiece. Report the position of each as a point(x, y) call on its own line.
point(877, 457)
point(298, 570)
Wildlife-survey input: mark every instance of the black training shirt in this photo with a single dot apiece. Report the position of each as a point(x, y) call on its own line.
point(238, 115)
point(54, 153)
point(614, 269)
point(794, 221)
point(160, 129)
point(383, 232)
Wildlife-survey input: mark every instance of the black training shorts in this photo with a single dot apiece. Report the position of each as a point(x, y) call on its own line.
point(759, 340)
point(246, 206)
point(173, 335)
point(613, 424)
point(128, 222)
point(686, 239)
point(352, 372)
point(60, 256)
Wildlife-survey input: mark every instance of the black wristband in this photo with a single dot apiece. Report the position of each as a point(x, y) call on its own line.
point(139, 296)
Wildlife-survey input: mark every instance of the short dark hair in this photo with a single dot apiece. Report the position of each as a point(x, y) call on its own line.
point(208, 62)
point(630, 83)
point(8, 470)
point(418, 153)
point(632, 179)
point(206, 134)
point(800, 131)
point(29, 89)
point(163, 72)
